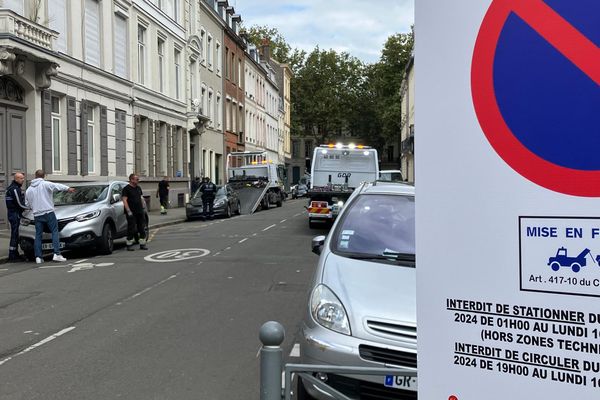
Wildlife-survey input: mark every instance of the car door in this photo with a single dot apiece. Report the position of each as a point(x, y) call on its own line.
point(231, 198)
point(118, 209)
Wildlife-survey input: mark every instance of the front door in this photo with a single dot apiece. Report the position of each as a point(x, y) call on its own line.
point(12, 152)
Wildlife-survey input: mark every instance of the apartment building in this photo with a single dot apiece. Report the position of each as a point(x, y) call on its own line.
point(407, 127)
point(283, 78)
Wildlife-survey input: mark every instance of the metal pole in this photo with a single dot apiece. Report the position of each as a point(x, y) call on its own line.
point(271, 336)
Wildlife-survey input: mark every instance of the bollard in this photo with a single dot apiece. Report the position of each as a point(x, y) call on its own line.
point(271, 336)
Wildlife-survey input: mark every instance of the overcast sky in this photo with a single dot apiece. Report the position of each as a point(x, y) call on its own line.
point(358, 27)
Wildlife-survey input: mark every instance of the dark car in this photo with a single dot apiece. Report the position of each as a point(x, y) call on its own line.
point(226, 203)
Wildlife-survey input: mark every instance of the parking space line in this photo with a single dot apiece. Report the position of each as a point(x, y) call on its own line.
point(282, 221)
point(38, 344)
point(269, 227)
point(141, 292)
point(243, 240)
point(295, 353)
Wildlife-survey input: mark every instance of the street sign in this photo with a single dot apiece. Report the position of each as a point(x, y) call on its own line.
point(508, 236)
point(549, 133)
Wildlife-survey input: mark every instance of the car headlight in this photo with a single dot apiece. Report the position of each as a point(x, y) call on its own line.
point(328, 310)
point(25, 221)
point(87, 216)
point(219, 203)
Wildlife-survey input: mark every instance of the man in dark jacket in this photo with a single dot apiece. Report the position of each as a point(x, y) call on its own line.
point(163, 194)
point(209, 191)
point(135, 208)
point(15, 205)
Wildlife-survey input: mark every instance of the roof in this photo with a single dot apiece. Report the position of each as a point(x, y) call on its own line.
point(387, 188)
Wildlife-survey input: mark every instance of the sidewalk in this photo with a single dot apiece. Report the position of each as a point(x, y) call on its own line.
point(174, 216)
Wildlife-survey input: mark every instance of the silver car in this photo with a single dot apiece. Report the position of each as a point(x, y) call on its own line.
point(93, 217)
point(362, 304)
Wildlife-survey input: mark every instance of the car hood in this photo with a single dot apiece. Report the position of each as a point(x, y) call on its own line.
point(197, 201)
point(372, 291)
point(70, 211)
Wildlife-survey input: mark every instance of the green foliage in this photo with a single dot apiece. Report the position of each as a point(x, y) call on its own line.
point(280, 49)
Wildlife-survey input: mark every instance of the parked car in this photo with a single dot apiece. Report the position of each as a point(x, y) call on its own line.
point(93, 216)
point(299, 190)
point(226, 203)
point(391, 175)
point(362, 305)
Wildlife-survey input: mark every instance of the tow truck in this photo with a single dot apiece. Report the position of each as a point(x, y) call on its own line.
point(562, 259)
point(335, 172)
point(257, 180)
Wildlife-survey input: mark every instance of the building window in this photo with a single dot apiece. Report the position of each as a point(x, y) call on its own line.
point(193, 90)
point(210, 108)
point(56, 142)
point(58, 22)
point(232, 68)
point(240, 71)
point(14, 5)
point(177, 57)
point(227, 67)
point(308, 148)
point(91, 139)
point(219, 60)
point(141, 34)
point(218, 111)
point(92, 32)
point(209, 50)
point(202, 45)
point(120, 47)
point(161, 65)
point(203, 101)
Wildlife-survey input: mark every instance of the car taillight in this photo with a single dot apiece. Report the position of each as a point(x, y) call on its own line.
point(318, 204)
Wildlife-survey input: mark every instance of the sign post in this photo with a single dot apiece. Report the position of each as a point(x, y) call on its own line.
point(508, 236)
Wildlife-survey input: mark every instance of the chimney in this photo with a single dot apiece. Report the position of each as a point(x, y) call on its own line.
point(265, 50)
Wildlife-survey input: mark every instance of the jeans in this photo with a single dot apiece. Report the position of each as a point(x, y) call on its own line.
point(51, 222)
point(14, 218)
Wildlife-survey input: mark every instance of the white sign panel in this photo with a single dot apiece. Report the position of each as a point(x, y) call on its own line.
point(508, 199)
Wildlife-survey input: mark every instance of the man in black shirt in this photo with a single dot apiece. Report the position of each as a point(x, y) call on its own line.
point(209, 191)
point(135, 207)
point(163, 194)
point(15, 205)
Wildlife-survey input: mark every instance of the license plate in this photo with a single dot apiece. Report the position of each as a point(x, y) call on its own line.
point(401, 382)
point(335, 209)
point(48, 246)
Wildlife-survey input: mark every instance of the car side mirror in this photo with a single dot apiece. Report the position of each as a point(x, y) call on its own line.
point(317, 244)
point(116, 198)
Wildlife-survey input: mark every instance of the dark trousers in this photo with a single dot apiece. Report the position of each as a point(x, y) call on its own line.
point(47, 220)
point(136, 224)
point(207, 206)
point(14, 218)
point(164, 201)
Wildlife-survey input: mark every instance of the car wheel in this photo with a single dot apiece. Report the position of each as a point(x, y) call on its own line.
point(30, 255)
point(238, 211)
point(279, 201)
point(576, 267)
point(555, 266)
point(301, 393)
point(228, 211)
point(107, 239)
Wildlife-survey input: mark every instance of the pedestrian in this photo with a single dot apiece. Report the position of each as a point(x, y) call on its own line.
point(135, 207)
point(195, 185)
point(209, 191)
point(15, 205)
point(39, 197)
point(163, 194)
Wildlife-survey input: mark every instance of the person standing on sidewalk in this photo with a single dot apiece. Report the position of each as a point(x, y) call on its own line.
point(39, 197)
point(209, 191)
point(135, 207)
point(15, 205)
point(163, 194)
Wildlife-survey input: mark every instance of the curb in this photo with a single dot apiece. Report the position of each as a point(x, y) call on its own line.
point(4, 259)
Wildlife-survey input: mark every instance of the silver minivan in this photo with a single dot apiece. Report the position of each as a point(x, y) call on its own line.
point(92, 217)
point(361, 309)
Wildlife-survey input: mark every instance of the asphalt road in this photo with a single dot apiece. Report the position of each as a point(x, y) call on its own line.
point(120, 326)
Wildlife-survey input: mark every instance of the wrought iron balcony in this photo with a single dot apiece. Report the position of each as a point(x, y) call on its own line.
point(13, 24)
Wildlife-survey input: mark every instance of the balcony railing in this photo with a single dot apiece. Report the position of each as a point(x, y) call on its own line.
point(408, 145)
point(16, 25)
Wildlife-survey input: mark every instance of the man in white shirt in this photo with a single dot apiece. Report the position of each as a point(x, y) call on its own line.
point(39, 197)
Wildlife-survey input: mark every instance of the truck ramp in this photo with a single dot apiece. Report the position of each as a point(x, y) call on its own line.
point(250, 194)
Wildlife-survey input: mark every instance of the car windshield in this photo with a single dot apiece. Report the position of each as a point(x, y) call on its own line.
point(391, 176)
point(81, 195)
point(377, 227)
point(221, 191)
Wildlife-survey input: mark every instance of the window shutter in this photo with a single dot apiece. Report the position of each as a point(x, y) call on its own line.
point(103, 142)
point(121, 142)
point(83, 137)
point(92, 32)
point(47, 131)
point(151, 167)
point(138, 144)
point(72, 135)
point(185, 160)
point(121, 46)
point(170, 150)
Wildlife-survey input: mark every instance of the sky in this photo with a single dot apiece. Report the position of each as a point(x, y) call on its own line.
point(358, 27)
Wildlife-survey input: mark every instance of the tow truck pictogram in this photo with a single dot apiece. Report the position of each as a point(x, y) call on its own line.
point(562, 259)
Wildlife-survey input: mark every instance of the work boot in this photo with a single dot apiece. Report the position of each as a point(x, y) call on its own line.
point(130, 245)
point(143, 247)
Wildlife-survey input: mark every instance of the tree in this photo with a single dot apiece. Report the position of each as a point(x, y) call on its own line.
point(279, 47)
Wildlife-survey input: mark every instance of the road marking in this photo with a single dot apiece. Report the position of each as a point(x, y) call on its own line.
point(282, 221)
point(80, 261)
point(243, 240)
point(153, 234)
point(254, 234)
point(38, 344)
point(176, 255)
point(269, 227)
point(149, 288)
point(295, 353)
point(4, 269)
point(78, 266)
point(216, 254)
point(228, 248)
point(297, 215)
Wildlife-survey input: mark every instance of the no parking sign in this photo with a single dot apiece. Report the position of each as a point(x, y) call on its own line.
point(508, 188)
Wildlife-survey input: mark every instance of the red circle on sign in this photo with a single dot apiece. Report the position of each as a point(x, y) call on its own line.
point(452, 398)
point(509, 148)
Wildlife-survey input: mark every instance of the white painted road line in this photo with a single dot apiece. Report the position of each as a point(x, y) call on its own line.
point(243, 240)
point(282, 221)
point(38, 344)
point(297, 215)
point(269, 227)
point(295, 353)
point(149, 288)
